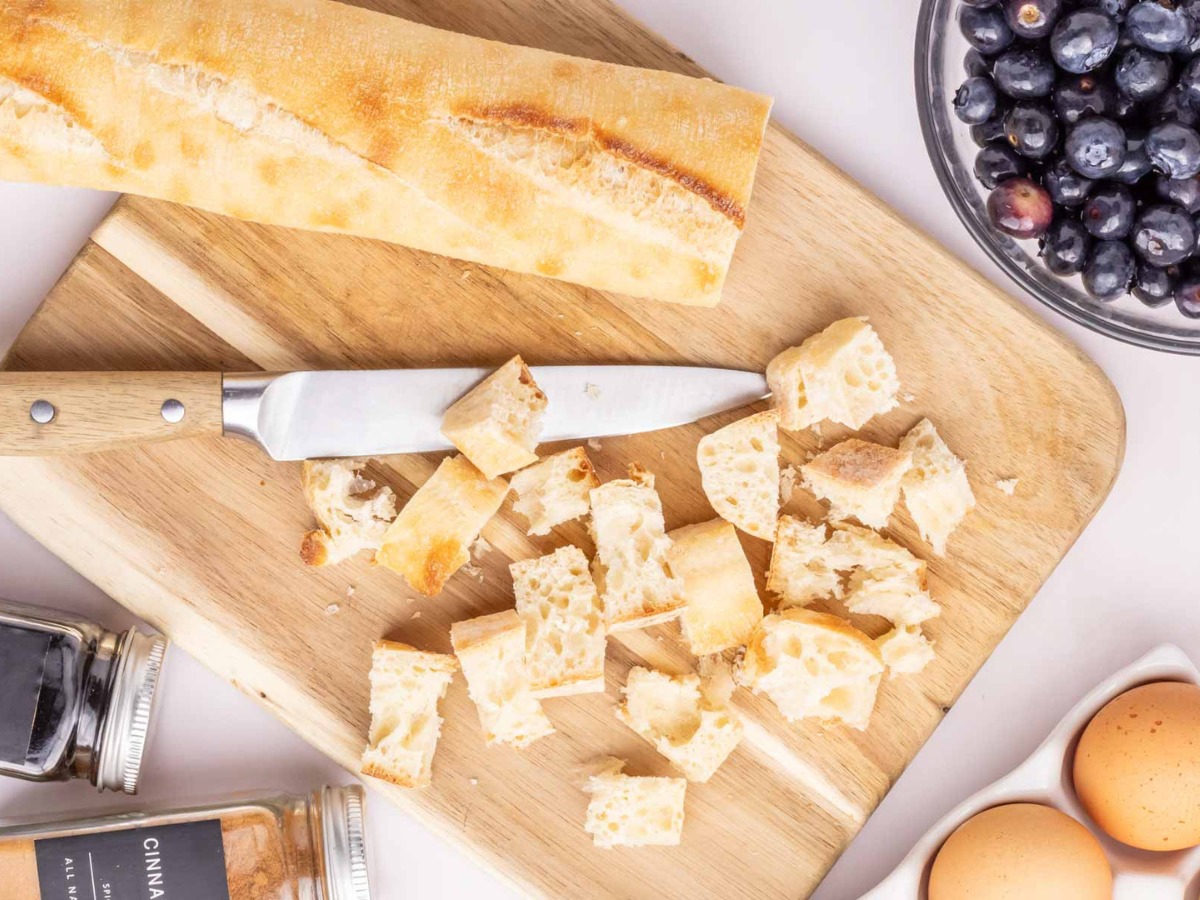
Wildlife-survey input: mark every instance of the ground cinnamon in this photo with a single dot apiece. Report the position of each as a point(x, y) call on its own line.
point(270, 849)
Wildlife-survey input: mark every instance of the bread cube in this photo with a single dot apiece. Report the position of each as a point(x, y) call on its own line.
point(718, 585)
point(936, 490)
point(491, 651)
point(674, 716)
point(353, 511)
point(564, 617)
point(842, 374)
point(496, 424)
point(801, 571)
point(739, 470)
point(905, 650)
point(632, 811)
point(631, 567)
point(555, 490)
point(859, 479)
point(430, 539)
point(406, 686)
point(813, 665)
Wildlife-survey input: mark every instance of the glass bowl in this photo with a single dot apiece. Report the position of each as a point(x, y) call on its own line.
point(939, 68)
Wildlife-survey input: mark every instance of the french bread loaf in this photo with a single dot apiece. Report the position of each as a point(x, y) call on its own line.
point(312, 114)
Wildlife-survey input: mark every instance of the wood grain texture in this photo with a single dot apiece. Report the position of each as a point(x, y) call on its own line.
point(201, 537)
point(96, 411)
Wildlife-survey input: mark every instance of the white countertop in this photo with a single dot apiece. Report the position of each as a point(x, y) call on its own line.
point(842, 78)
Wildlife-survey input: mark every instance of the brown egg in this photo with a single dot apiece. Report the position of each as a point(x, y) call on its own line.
point(1137, 767)
point(1022, 851)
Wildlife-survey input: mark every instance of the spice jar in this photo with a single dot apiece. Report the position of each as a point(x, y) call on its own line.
point(274, 848)
point(76, 698)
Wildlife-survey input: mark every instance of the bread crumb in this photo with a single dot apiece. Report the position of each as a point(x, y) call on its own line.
point(787, 482)
point(593, 444)
point(262, 483)
point(465, 274)
point(332, 609)
point(480, 547)
point(1007, 485)
point(579, 334)
point(350, 589)
point(473, 781)
point(417, 614)
point(592, 391)
point(474, 571)
point(908, 398)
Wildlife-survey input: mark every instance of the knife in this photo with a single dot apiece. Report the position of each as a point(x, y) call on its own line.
point(312, 415)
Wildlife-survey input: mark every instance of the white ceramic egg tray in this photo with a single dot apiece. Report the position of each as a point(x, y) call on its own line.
point(1045, 777)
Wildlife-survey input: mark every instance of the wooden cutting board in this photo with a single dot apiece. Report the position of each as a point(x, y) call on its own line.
point(201, 537)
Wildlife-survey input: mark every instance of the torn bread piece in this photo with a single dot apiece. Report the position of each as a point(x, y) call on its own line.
point(555, 490)
point(564, 650)
point(801, 570)
point(739, 470)
point(634, 811)
point(406, 686)
point(491, 651)
point(718, 585)
point(885, 578)
point(631, 568)
point(429, 541)
point(813, 665)
point(859, 479)
point(352, 511)
point(905, 650)
point(842, 374)
point(673, 714)
point(936, 490)
point(496, 424)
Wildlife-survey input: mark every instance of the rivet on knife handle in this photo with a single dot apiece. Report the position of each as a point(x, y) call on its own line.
point(51, 413)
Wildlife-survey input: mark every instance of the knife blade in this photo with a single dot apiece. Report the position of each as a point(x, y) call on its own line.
point(308, 415)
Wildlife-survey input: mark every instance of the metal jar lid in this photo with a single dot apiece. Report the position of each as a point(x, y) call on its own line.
point(344, 843)
point(126, 725)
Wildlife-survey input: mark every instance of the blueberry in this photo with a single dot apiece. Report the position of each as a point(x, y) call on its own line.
point(1174, 149)
point(1077, 96)
point(1172, 104)
point(1020, 208)
point(1083, 40)
point(1183, 191)
point(1125, 107)
point(998, 162)
point(1109, 270)
point(1024, 73)
point(975, 63)
point(1065, 186)
point(991, 130)
point(1137, 162)
point(1108, 212)
point(1164, 235)
point(1158, 26)
point(984, 28)
point(1096, 147)
point(1115, 8)
point(1142, 74)
point(1187, 295)
point(975, 100)
point(1155, 286)
point(1032, 19)
point(1189, 81)
point(1031, 129)
point(1065, 246)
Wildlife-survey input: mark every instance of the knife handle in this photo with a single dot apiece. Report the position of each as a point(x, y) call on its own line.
point(54, 413)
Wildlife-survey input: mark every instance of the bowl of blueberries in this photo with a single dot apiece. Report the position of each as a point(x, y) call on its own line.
point(1066, 134)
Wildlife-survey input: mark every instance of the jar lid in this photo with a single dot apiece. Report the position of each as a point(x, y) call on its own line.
point(344, 841)
point(127, 719)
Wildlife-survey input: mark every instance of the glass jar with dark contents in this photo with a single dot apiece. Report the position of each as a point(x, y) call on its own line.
point(76, 698)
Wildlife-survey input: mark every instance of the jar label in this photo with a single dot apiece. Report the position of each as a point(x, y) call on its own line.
point(182, 861)
point(22, 660)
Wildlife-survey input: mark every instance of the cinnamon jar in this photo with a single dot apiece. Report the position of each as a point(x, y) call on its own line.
point(75, 698)
point(270, 848)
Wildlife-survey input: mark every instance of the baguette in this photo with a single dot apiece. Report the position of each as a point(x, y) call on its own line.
point(317, 115)
point(739, 471)
point(936, 490)
point(859, 479)
point(353, 512)
point(634, 811)
point(722, 602)
point(555, 490)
